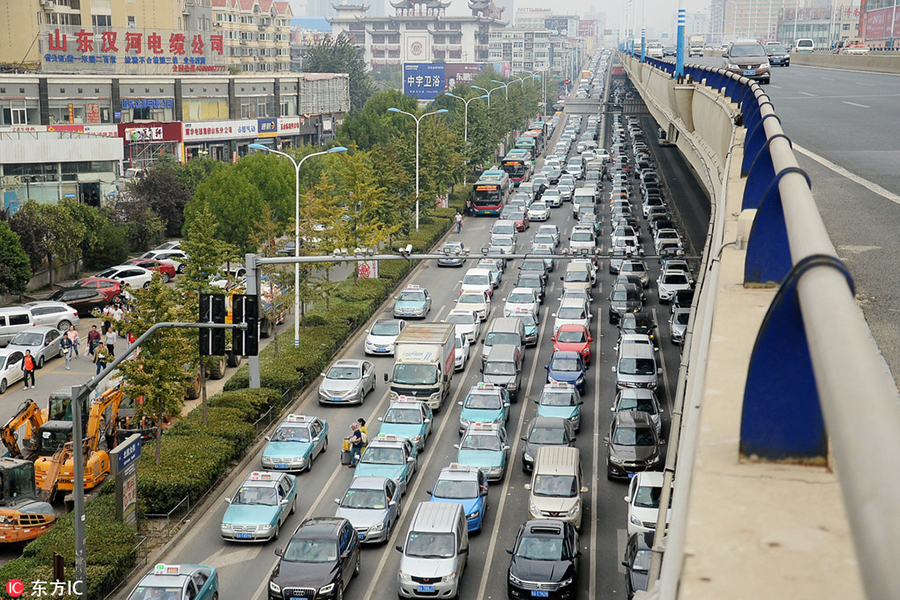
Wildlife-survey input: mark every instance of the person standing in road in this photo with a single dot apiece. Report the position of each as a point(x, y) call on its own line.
point(28, 368)
point(356, 444)
point(101, 357)
point(458, 221)
point(363, 431)
point(111, 341)
point(76, 340)
point(93, 339)
point(469, 207)
point(67, 349)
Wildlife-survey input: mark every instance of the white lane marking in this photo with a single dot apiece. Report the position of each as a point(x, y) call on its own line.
point(230, 555)
point(828, 79)
point(807, 94)
point(855, 104)
point(871, 186)
point(865, 84)
point(412, 492)
point(777, 87)
point(595, 487)
point(513, 454)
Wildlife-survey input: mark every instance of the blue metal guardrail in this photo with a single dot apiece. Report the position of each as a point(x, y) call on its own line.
point(816, 376)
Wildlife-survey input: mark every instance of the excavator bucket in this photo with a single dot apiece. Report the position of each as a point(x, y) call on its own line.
point(48, 487)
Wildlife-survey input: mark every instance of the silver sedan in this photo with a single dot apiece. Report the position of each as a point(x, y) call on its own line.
point(44, 343)
point(347, 382)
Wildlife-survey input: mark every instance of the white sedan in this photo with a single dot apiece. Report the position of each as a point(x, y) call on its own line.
point(174, 257)
point(462, 352)
point(475, 301)
point(130, 275)
point(539, 211)
point(521, 298)
point(467, 322)
point(10, 367)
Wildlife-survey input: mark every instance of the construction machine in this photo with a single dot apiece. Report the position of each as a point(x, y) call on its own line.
point(54, 466)
point(31, 416)
point(22, 516)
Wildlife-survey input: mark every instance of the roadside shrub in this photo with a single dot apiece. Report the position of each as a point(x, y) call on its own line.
point(251, 403)
point(225, 423)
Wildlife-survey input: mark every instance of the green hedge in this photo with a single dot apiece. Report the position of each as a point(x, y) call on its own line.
point(110, 550)
point(225, 423)
point(251, 403)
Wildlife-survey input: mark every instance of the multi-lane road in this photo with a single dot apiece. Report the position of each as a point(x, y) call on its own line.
point(244, 569)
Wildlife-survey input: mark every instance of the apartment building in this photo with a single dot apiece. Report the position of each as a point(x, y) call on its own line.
point(256, 34)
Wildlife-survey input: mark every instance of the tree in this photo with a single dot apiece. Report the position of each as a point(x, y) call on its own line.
point(33, 231)
point(340, 55)
point(374, 124)
point(191, 173)
point(233, 201)
point(15, 268)
point(105, 240)
point(395, 177)
point(441, 161)
point(278, 278)
point(158, 373)
point(162, 189)
point(143, 227)
point(49, 233)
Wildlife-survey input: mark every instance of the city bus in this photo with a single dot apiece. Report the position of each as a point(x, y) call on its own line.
point(527, 142)
point(517, 164)
point(491, 192)
point(538, 135)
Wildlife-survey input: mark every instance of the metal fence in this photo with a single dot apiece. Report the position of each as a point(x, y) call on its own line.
point(816, 376)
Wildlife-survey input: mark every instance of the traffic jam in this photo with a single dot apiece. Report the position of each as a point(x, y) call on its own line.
point(527, 357)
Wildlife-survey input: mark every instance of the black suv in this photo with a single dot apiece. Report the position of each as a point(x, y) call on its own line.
point(625, 298)
point(318, 562)
point(544, 559)
point(632, 445)
point(544, 431)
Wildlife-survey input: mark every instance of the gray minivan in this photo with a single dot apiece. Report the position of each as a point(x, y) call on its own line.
point(435, 552)
point(14, 319)
point(502, 330)
point(503, 368)
point(636, 365)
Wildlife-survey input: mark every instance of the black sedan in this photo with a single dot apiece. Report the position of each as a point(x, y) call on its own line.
point(321, 557)
point(544, 560)
point(544, 431)
point(82, 299)
point(637, 562)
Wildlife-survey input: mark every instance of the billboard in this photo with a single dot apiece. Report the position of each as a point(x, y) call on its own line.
point(558, 26)
point(461, 74)
point(426, 81)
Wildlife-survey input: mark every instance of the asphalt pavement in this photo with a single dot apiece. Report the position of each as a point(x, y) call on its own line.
point(244, 569)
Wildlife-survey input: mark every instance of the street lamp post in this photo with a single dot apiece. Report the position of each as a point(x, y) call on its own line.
point(487, 91)
point(505, 87)
point(297, 166)
point(466, 117)
point(417, 120)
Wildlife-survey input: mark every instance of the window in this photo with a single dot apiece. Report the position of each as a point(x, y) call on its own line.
point(131, 22)
point(101, 20)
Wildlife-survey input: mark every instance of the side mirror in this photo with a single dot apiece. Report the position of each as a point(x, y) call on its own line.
point(381, 419)
point(456, 446)
point(322, 374)
point(428, 492)
point(613, 369)
point(386, 378)
point(606, 440)
point(460, 403)
point(547, 367)
point(400, 549)
point(659, 371)
point(527, 486)
point(337, 501)
point(268, 439)
point(509, 550)
point(584, 489)
point(627, 498)
point(625, 564)
point(426, 421)
point(284, 502)
point(279, 552)
point(316, 439)
point(392, 503)
point(227, 500)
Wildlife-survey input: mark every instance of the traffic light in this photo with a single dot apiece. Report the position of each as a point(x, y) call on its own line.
point(212, 310)
point(245, 309)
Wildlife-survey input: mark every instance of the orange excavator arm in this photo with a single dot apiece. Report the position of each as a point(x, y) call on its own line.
point(111, 398)
point(28, 413)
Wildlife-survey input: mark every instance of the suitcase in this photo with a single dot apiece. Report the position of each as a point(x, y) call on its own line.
point(346, 457)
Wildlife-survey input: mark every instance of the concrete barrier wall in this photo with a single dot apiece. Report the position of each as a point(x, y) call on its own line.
point(888, 62)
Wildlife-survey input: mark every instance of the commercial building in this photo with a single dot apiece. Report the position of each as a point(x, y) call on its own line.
point(824, 27)
point(419, 31)
point(523, 49)
point(532, 18)
point(256, 34)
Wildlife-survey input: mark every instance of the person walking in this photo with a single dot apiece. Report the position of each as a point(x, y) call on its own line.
point(111, 341)
point(469, 207)
point(458, 221)
point(28, 368)
point(356, 444)
point(72, 334)
point(101, 357)
point(363, 431)
point(67, 350)
point(93, 339)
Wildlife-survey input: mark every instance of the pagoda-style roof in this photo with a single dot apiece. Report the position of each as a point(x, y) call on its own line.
point(485, 8)
point(420, 8)
point(350, 7)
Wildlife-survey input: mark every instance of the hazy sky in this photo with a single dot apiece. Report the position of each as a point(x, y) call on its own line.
point(660, 14)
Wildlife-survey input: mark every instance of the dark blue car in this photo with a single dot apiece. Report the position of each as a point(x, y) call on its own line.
point(567, 366)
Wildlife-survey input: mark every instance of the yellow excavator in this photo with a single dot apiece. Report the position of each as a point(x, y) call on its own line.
point(22, 516)
point(30, 415)
point(54, 466)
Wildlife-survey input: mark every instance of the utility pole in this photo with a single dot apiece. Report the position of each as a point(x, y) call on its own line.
point(679, 48)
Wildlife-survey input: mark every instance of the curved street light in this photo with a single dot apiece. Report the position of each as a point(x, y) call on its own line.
point(505, 87)
point(297, 166)
point(466, 117)
point(417, 120)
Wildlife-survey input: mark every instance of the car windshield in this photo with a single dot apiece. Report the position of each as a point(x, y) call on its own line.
point(540, 548)
point(385, 328)
point(630, 267)
point(648, 496)
point(578, 276)
point(526, 317)
point(558, 398)
point(681, 318)
point(107, 273)
point(495, 367)
point(675, 279)
point(459, 342)
point(565, 364)
point(620, 295)
point(502, 338)
point(640, 404)
point(461, 318)
point(455, 489)
point(310, 551)
point(382, 456)
point(571, 336)
point(634, 436)
point(430, 545)
point(633, 321)
point(361, 498)
point(408, 296)
point(570, 312)
point(480, 442)
point(777, 49)
point(343, 372)
point(406, 374)
point(541, 239)
point(747, 51)
point(637, 366)
point(521, 298)
point(27, 338)
point(472, 279)
point(142, 592)
point(288, 433)
point(256, 495)
point(470, 299)
point(548, 436)
point(403, 416)
point(484, 401)
point(557, 486)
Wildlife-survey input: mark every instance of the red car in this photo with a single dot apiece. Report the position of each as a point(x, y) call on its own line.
point(110, 287)
point(521, 219)
point(575, 338)
point(165, 270)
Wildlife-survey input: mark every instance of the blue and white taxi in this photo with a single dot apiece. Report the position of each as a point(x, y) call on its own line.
point(178, 582)
point(561, 400)
point(484, 446)
point(260, 507)
point(466, 486)
point(296, 442)
point(414, 301)
point(389, 456)
point(409, 418)
point(485, 403)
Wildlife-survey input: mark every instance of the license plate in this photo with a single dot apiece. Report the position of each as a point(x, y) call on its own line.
point(380, 349)
point(362, 536)
point(540, 594)
point(244, 536)
point(281, 466)
point(751, 72)
point(335, 399)
point(630, 475)
point(425, 588)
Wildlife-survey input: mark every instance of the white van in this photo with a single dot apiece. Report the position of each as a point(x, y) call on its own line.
point(804, 45)
point(556, 485)
point(435, 552)
point(477, 280)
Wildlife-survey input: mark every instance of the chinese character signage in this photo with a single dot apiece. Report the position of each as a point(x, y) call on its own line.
point(220, 130)
point(267, 128)
point(423, 80)
point(75, 48)
point(461, 74)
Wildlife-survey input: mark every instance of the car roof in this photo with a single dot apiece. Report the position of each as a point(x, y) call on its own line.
point(571, 327)
point(636, 418)
point(36, 330)
point(348, 362)
point(650, 478)
point(565, 354)
point(367, 482)
point(38, 303)
point(319, 526)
